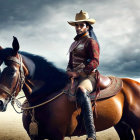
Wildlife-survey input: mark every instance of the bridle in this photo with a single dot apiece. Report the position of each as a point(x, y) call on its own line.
point(20, 80)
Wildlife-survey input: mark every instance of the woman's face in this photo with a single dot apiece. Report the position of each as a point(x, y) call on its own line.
point(81, 27)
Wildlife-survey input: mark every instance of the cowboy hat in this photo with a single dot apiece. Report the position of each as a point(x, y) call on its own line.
point(80, 17)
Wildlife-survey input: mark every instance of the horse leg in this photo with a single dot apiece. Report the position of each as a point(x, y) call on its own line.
point(35, 138)
point(57, 139)
point(137, 133)
point(26, 118)
point(124, 131)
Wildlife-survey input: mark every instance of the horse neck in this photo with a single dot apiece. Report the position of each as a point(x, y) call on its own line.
point(32, 86)
point(44, 80)
point(36, 92)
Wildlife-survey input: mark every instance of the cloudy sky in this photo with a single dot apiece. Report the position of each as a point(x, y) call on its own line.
point(41, 28)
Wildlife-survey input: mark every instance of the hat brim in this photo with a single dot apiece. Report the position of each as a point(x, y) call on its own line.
point(90, 21)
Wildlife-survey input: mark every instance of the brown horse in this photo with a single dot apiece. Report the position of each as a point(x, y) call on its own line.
point(59, 117)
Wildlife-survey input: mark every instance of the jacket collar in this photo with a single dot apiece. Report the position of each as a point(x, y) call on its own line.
point(78, 37)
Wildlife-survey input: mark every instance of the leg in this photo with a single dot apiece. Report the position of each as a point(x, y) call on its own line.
point(124, 131)
point(85, 103)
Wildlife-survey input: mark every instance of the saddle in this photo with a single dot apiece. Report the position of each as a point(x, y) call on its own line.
point(104, 82)
point(107, 86)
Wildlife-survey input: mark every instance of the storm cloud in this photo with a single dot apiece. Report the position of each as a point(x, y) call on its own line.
point(41, 27)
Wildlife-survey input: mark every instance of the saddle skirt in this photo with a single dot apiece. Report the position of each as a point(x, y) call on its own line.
point(111, 90)
point(113, 87)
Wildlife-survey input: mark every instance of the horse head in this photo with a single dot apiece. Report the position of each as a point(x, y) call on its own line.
point(40, 76)
point(12, 76)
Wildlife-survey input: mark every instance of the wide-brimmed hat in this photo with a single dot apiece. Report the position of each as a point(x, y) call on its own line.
point(81, 17)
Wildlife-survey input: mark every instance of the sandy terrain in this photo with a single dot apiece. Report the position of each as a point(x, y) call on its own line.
point(11, 128)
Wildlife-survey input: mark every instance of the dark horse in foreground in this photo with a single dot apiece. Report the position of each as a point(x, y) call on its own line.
point(41, 82)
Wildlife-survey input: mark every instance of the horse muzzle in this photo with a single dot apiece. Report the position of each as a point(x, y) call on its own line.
point(3, 105)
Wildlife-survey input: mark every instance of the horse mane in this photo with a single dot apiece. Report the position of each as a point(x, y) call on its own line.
point(54, 78)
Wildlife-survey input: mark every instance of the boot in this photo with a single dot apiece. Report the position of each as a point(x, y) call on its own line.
point(85, 104)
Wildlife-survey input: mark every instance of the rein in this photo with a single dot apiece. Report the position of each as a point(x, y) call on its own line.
point(18, 103)
point(35, 106)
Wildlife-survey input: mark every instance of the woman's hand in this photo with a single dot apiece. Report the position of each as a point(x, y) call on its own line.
point(88, 69)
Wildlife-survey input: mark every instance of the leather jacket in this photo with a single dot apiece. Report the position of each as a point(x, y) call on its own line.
point(84, 55)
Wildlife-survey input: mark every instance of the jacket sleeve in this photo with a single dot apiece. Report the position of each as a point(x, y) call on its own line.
point(93, 53)
point(69, 66)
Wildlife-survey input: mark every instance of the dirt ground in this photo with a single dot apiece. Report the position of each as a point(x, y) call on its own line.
point(11, 128)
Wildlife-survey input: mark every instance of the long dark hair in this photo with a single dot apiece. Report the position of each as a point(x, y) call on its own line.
point(91, 33)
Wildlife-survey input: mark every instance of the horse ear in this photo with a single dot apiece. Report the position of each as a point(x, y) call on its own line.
point(15, 45)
